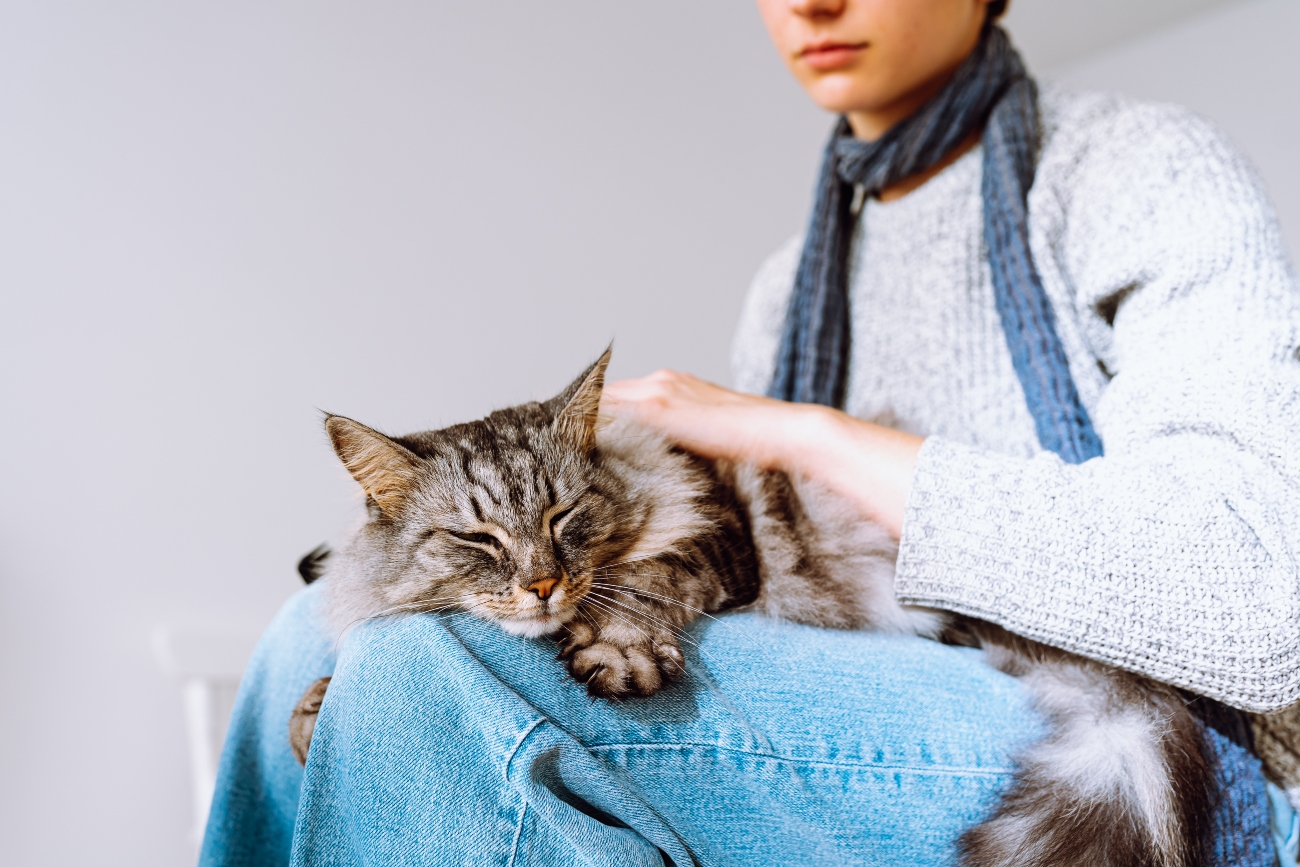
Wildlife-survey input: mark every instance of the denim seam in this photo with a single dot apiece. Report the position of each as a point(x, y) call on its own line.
point(931, 769)
point(519, 742)
point(519, 832)
point(523, 801)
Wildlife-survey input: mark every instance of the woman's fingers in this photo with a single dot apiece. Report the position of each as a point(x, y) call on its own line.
point(671, 390)
point(703, 417)
point(664, 386)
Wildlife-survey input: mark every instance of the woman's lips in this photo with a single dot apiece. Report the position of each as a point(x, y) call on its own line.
point(827, 56)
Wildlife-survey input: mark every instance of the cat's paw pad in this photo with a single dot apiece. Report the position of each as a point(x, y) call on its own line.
point(616, 671)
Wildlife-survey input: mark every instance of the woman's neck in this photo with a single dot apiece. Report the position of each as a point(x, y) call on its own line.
point(872, 124)
point(911, 182)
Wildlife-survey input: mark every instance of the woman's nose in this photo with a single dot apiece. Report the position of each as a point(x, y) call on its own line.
point(818, 8)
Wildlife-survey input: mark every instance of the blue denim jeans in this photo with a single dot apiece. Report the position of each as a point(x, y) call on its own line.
point(445, 741)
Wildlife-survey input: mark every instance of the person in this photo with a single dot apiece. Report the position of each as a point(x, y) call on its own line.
point(1049, 340)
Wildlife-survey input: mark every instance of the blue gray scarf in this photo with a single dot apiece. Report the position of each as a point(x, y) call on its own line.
point(991, 89)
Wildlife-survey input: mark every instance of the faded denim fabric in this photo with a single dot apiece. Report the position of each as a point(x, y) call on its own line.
point(1286, 827)
point(444, 741)
point(258, 779)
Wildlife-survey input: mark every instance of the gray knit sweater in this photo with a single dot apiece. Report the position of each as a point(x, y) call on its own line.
point(1178, 553)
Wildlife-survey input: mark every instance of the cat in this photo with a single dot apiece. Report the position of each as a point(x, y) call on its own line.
point(552, 521)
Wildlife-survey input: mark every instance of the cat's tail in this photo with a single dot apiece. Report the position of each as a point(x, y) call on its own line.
point(1123, 777)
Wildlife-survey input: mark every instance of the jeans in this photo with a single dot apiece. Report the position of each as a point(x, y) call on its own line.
point(444, 741)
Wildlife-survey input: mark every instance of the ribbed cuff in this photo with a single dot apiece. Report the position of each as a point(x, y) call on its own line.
point(959, 547)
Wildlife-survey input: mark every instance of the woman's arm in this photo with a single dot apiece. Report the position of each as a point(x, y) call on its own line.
point(865, 463)
point(1178, 553)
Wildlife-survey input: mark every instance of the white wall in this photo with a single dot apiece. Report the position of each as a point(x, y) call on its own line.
point(216, 219)
point(1239, 65)
point(1054, 34)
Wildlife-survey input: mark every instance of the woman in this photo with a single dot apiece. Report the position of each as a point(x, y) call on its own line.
point(1001, 282)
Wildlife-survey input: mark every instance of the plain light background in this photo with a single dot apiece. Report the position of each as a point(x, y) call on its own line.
point(217, 220)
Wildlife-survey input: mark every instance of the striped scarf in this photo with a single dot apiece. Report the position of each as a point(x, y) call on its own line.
point(989, 89)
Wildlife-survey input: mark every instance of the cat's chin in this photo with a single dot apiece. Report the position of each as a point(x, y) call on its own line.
point(532, 627)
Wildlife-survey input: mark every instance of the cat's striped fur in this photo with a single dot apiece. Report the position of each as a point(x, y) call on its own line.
point(611, 540)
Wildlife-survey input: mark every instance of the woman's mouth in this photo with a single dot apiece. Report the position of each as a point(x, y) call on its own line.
point(828, 56)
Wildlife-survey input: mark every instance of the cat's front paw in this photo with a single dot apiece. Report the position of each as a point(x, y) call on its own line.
point(302, 722)
point(615, 665)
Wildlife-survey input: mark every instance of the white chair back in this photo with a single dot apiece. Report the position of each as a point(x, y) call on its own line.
point(207, 660)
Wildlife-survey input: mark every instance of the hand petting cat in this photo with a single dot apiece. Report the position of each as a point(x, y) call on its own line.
point(866, 463)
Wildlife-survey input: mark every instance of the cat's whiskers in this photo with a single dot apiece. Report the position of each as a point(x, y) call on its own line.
point(627, 562)
point(621, 617)
point(637, 591)
point(677, 632)
point(582, 612)
point(441, 605)
point(434, 605)
point(668, 599)
point(680, 635)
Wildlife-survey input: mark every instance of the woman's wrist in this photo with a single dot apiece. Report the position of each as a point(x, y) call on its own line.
point(866, 463)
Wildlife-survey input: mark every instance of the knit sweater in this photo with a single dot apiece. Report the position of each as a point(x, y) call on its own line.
point(1177, 554)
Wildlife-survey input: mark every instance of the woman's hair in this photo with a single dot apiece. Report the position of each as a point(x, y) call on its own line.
point(997, 9)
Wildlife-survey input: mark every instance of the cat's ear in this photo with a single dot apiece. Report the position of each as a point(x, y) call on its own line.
point(382, 467)
point(580, 405)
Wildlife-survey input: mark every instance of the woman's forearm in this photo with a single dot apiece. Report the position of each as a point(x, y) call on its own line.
point(865, 463)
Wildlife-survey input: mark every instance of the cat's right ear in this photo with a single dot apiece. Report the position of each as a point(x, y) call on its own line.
point(384, 469)
point(579, 404)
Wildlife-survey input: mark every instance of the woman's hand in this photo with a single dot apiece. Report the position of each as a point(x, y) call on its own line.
point(710, 420)
point(866, 463)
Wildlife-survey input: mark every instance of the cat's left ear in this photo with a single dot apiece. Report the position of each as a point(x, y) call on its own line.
point(385, 469)
point(576, 419)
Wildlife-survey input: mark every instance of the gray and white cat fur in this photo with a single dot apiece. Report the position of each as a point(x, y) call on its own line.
point(553, 521)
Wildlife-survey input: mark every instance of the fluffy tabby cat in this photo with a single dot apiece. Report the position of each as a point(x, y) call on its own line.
point(611, 540)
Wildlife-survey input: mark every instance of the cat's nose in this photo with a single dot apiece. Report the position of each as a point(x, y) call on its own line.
point(543, 587)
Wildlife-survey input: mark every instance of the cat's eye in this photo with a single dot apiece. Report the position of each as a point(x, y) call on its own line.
point(486, 539)
point(557, 520)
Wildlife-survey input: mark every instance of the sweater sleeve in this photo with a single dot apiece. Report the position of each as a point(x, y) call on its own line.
point(1177, 554)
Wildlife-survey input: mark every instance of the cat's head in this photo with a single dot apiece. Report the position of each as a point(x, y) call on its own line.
point(510, 517)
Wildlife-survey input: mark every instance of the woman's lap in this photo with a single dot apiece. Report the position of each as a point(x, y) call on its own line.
point(443, 740)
